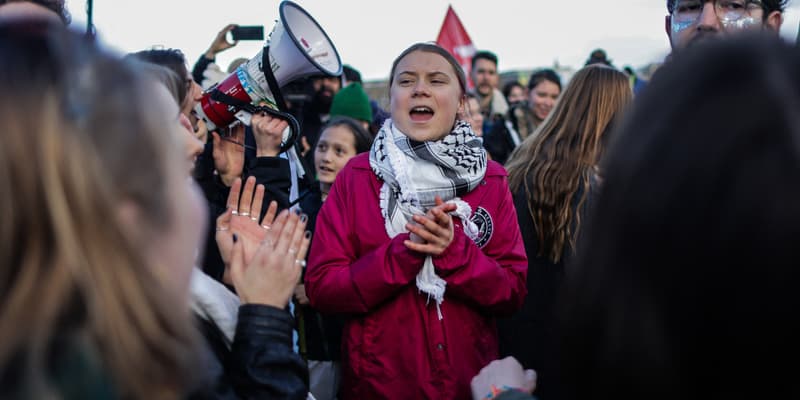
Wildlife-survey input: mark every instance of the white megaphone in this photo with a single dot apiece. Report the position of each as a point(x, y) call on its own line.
point(296, 48)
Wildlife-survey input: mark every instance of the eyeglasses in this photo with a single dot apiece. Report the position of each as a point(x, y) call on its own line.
point(688, 11)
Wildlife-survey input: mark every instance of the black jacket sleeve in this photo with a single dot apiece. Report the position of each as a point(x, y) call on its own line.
point(200, 67)
point(275, 174)
point(262, 363)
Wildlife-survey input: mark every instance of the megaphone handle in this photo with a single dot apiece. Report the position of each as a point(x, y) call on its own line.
point(294, 126)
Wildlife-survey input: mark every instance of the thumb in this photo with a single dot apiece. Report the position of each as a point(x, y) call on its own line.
point(216, 139)
point(530, 381)
point(225, 218)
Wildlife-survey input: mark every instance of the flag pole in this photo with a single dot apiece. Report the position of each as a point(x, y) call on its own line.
point(89, 16)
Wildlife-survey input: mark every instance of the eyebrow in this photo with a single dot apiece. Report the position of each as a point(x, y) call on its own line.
point(434, 73)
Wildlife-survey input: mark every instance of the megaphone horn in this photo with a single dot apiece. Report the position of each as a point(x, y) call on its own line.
point(296, 48)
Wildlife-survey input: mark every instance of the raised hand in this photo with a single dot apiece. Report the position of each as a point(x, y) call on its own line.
point(220, 42)
point(229, 154)
point(271, 276)
point(241, 218)
point(432, 233)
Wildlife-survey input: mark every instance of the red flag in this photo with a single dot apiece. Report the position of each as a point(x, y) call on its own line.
point(455, 39)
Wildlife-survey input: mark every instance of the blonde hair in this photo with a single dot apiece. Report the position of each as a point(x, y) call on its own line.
point(558, 160)
point(76, 127)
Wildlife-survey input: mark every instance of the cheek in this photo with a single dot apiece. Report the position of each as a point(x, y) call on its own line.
point(678, 27)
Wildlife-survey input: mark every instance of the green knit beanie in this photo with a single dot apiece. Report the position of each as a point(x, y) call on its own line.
point(352, 101)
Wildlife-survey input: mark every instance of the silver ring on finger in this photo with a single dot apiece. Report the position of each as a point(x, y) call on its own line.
point(267, 227)
point(234, 212)
point(245, 214)
point(221, 229)
point(292, 251)
point(302, 263)
point(254, 218)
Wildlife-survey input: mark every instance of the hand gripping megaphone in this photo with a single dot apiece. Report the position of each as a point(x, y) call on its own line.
point(296, 48)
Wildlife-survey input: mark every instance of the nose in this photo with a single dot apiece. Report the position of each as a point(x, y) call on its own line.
point(708, 21)
point(420, 89)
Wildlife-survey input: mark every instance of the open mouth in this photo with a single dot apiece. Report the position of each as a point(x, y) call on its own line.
point(421, 114)
point(324, 170)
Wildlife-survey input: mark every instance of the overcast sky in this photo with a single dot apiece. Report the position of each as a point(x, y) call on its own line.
point(369, 34)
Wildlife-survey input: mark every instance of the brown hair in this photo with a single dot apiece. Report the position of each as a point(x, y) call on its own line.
point(432, 48)
point(558, 160)
point(78, 122)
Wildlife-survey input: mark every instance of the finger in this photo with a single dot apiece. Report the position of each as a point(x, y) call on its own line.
point(238, 133)
point(442, 218)
point(438, 200)
point(529, 384)
point(224, 219)
point(276, 126)
point(423, 248)
point(215, 139)
point(246, 198)
point(233, 196)
point(297, 236)
point(284, 240)
point(269, 217)
point(422, 232)
point(258, 199)
point(304, 245)
point(277, 226)
point(430, 227)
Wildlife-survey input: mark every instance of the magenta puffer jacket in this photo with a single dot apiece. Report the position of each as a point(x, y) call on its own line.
point(395, 346)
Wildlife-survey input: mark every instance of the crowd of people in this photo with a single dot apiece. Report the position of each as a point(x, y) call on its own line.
point(597, 238)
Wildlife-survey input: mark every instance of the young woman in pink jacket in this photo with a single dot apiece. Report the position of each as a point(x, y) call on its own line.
point(418, 244)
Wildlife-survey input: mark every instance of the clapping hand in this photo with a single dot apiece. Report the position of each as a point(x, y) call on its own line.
point(263, 259)
point(241, 218)
point(432, 233)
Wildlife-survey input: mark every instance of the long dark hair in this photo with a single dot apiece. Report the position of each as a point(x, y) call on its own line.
point(685, 284)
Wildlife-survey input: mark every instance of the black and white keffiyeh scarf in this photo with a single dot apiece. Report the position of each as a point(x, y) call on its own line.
point(414, 173)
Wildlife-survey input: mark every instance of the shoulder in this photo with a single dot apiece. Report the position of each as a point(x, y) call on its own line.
point(359, 162)
point(357, 171)
point(495, 170)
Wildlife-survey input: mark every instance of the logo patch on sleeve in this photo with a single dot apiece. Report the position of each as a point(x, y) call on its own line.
point(483, 220)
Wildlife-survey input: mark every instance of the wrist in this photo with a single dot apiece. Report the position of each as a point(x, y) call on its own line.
point(260, 152)
point(210, 54)
point(264, 301)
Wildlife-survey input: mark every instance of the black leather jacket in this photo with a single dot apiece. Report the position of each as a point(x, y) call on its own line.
point(260, 364)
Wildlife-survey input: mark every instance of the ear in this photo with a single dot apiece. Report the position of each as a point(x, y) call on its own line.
point(668, 29)
point(462, 105)
point(774, 21)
